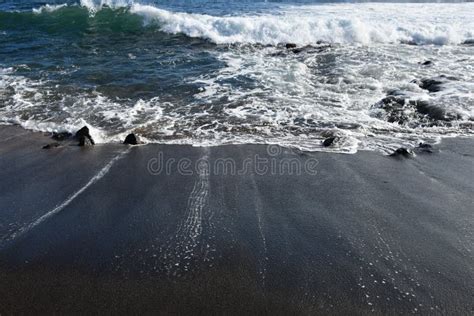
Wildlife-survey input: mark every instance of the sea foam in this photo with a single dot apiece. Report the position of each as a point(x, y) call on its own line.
point(362, 23)
point(49, 8)
point(333, 23)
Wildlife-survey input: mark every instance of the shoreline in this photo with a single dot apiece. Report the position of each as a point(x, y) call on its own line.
point(46, 138)
point(100, 230)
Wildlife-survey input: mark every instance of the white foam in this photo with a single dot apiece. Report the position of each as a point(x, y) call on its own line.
point(360, 23)
point(49, 8)
point(5, 71)
point(26, 95)
point(335, 23)
point(95, 5)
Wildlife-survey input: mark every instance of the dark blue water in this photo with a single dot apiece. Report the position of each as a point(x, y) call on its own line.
point(93, 53)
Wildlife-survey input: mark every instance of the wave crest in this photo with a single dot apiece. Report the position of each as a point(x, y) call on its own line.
point(361, 24)
point(375, 23)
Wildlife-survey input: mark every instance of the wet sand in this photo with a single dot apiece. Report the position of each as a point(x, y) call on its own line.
point(103, 229)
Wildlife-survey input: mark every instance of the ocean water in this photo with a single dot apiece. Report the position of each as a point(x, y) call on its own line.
point(218, 72)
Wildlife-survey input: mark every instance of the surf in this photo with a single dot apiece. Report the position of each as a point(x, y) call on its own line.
point(364, 24)
point(332, 23)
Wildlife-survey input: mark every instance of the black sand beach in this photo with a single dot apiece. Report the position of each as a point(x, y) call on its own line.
point(104, 230)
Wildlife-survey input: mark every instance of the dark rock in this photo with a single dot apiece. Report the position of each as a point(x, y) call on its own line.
point(406, 108)
point(394, 100)
point(84, 131)
point(51, 145)
point(409, 42)
point(84, 137)
point(425, 145)
point(404, 152)
point(278, 54)
point(330, 141)
point(61, 136)
point(426, 63)
point(343, 125)
point(433, 112)
point(432, 85)
point(310, 49)
point(131, 139)
point(449, 78)
point(401, 109)
point(293, 48)
point(424, 148)
point(85, 141)
point(395, 107)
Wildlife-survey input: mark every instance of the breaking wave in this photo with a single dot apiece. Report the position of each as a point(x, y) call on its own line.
point(366, 23)
point(340, 23)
